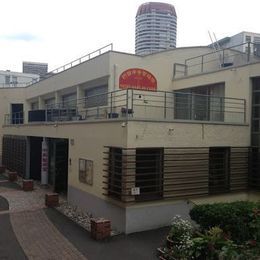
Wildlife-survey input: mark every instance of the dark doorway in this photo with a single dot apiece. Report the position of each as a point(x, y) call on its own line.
point(255, 129)
point(35, 157)
point(58, 164)
point(149, 173)
point(219, 169)
point(17, 113)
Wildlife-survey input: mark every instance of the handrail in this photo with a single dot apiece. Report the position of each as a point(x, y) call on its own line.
point(141, 104)
point(72, 63)
point(220, 59)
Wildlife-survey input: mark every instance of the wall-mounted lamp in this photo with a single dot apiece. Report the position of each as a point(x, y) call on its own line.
point(170, 131)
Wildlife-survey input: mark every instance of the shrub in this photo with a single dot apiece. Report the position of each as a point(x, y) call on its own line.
point(213, 244)
point(237, 219)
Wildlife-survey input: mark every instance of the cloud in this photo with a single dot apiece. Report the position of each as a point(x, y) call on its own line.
point(27, 37)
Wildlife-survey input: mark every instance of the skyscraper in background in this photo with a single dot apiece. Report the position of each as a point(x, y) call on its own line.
point(155, 28)
point(38, 68)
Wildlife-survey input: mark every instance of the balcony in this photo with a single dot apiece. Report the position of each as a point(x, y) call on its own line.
point(235, 56)
point(141, 105)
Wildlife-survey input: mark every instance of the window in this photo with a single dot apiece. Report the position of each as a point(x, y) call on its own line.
point(96, 96)
point(34, 106)
point(256, 39)
point(14, 81)
point(50, 102)
point(69, 100)
point(182, 105)
point(248, 38)
point(86, 171)
point(200, 103)
point(7, 79)
point(149, 173)
point(219, 169)
point(115, 172)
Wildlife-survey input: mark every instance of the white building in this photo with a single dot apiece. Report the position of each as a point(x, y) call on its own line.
point(16, 79)
point(38, 68)
point(237, 42)
point(156, 25)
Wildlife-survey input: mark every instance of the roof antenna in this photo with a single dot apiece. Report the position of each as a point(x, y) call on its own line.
point(216, 47)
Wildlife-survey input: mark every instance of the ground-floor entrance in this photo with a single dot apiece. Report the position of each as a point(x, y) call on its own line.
point(57, 162)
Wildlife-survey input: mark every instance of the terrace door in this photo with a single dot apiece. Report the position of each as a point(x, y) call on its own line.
point(17, 113)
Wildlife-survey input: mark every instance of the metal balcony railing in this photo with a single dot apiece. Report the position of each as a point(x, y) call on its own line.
point(73, 63)
point(236, 55)
point(16, 118)
point(144, 105)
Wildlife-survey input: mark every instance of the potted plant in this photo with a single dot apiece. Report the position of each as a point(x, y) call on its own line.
point(178, 240)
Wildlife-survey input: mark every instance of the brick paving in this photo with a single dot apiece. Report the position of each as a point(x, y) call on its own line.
point(40, 239)
point(37, 236)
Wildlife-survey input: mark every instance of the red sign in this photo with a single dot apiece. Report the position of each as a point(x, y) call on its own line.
point(137, 79)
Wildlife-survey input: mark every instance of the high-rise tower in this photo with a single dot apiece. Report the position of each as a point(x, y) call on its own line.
point(155, 28)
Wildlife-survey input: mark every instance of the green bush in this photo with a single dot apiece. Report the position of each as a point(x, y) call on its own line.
point(237, 219)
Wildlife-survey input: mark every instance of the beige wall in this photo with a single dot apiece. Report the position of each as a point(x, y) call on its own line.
point(92, 69)
point(7, 97)
point(91, 137)
point(166, 134)
point(89, 141)
point(159, 64)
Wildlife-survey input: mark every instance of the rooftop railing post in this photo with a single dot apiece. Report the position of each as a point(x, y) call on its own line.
point(127, 96)
point(244, 110)
point(165, 105)
point(46, 113)
point(98, 112)
point(111, 103)
point(132, 100)
point(59, 113)
point(248, 51)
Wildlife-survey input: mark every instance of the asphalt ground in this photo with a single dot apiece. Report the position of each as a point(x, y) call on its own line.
point(10, 249)
point(3, 204)
point(136, 246)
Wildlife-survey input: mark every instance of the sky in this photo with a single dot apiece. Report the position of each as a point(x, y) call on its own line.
point(59, 31)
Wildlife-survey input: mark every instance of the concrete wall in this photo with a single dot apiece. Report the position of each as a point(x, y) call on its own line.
point(155, 215)
point(89, 139)
point(180, 134)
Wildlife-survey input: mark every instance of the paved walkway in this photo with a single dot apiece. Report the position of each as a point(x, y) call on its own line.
point(29, 230)
point(40, 239)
